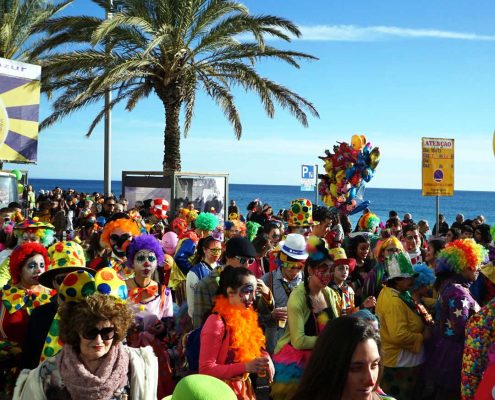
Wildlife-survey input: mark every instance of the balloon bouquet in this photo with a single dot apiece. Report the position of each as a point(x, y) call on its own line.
point(347, 168)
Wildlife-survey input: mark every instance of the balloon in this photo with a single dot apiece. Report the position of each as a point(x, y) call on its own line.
point(169, 261)
point(17, 173)
point(360, 207)
point(169, 242)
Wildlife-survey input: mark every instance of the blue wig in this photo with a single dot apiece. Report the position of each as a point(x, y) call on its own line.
point(426, 276)
point(144, 242)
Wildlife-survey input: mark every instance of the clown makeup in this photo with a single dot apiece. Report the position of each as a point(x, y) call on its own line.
point(31, 270)
point(119, 240)
point(323, 273)
point(144, 263)
point(245, 295)
point(341, 274)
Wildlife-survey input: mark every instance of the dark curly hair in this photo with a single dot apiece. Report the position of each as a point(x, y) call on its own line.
point(76, 318)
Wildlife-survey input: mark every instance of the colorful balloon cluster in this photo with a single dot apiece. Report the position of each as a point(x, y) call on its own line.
point(347, 168)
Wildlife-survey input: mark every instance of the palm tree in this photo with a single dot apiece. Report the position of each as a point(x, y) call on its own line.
point(173, 48)
point(18, 19)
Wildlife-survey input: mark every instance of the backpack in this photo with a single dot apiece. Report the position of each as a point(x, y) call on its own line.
point(193, 347)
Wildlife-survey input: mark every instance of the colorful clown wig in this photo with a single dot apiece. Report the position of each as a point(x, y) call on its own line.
point(384, 244)
point(206, 222)
point(460, 255)
point(252, 230)
point(144, 242)
point(19, 256)
point(368, 222)
point(43, 232)
point(425, 278)
point(124, 224)
point(179, 226)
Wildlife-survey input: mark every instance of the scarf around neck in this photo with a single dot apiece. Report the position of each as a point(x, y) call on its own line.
point(110, 376)
point(247, 339)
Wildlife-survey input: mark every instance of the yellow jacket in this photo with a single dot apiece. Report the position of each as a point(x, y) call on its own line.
point(400, 327)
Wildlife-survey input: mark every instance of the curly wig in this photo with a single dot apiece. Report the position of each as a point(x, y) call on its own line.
point(368, 222)
point(426, 276)
point(127, 225)
point(206, 222)
point(383, 244)
point(460, 255)
point(144, 242)
point(78, 317)
point(252, 230)
point(19, 256)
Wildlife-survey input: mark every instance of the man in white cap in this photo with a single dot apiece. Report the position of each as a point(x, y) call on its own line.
point(281, 282)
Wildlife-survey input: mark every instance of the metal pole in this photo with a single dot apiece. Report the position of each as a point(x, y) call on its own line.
point(438, 216)
point(316, 185)
point(107, 152)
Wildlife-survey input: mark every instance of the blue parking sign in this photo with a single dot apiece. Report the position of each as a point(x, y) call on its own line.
point(308, 172)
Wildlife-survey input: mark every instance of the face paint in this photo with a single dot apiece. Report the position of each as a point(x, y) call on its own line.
point(119, 243)
point(31, 270)
point(145, 263)
point(324, 275)
point(247, 294)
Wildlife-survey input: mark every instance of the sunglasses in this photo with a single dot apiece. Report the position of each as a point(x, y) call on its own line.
point(105, 333)
point(244, 260)
point(292, 265)
point(142, 258)
point(215, 251)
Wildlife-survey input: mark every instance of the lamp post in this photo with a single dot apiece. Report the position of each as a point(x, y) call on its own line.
point(107, 147)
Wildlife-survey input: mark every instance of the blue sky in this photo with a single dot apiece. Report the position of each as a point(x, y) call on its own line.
point(392, 70)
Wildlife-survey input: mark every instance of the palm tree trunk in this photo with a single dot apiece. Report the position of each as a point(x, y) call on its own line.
point(172, 103)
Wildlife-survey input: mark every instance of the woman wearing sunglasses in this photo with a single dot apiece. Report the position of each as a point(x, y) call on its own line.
point(93, 364)
point(311, 305)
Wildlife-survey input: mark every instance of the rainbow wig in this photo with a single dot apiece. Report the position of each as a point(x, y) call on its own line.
point(144, 242)
point(20, 255)
point(368, 222)
point(383, 244)
point(126, 225)
point(206, 222)
point(252, 230)
point(425, 278)
point(460, 255)
point(44, 232)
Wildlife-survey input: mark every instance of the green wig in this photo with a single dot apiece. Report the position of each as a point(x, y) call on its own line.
point(206, 222)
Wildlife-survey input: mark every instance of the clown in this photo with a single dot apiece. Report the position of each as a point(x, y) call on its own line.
point(29, 230)
point(27, 262)
point(151, 301)
point(116, 236)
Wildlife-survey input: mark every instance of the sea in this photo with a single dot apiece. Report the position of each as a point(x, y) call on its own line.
point(382, 200)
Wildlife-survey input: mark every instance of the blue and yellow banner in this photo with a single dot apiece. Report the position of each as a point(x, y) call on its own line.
point(438, 167)
point(19, 111)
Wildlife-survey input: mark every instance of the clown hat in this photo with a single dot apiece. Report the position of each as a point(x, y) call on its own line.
point(301, 213)
point(399, 266)
point(201, 387)
point(340, 258)
point(65, 257)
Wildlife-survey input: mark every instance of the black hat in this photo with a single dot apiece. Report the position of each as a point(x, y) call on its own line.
point(239, 246)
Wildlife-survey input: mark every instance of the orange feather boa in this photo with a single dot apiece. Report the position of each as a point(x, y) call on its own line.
point(247, 338)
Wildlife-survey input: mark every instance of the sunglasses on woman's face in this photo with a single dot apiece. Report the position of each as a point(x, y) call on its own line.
point(244, 260)
point(105, 333)
point(215, 251)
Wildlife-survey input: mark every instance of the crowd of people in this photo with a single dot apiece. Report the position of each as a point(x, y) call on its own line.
point(102, 300)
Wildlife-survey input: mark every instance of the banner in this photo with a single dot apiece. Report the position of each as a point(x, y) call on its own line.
point(438, 167)
point(19, 110)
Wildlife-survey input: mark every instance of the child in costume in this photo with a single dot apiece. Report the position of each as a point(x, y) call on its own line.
point(232, 343)
point(458, 266)
point(311, 305)
point(27, 262)
point(342, 268)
